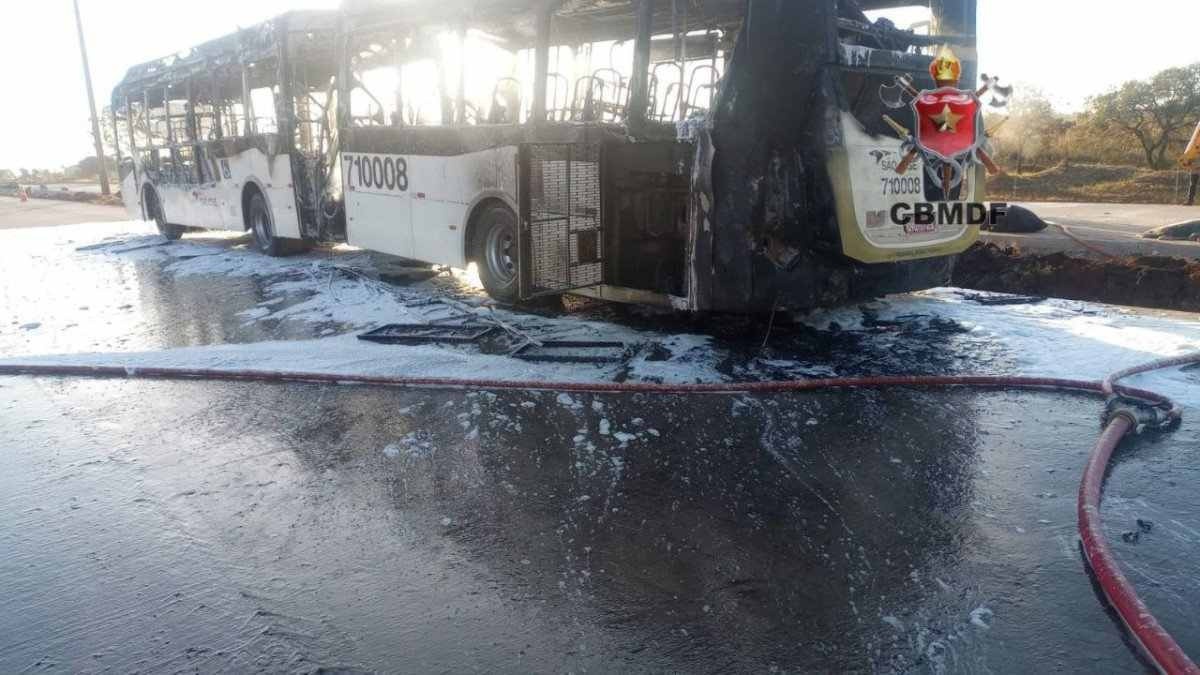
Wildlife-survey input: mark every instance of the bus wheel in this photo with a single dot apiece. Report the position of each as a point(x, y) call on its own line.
point(263, 229)
point(495, 252)
point(155, 211)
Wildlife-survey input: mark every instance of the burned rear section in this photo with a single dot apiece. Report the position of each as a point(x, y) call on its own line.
point(794, 176)
point(773, 191)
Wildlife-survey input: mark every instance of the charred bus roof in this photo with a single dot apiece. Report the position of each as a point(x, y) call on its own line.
point(512, 21)
point(221, 59)
point(577, 21)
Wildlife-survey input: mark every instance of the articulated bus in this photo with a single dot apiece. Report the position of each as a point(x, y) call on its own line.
point(707, 155)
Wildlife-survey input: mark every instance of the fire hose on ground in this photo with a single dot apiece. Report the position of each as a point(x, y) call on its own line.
point(1128, 410)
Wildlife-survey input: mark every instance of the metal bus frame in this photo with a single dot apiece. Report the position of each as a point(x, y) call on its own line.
point(750, 205)
point(191, 144)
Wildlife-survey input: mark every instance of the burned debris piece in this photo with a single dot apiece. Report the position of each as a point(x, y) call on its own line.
point(397, 333)
point(573, 351)
point(999, 300)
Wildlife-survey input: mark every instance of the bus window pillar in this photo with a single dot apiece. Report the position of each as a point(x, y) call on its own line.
point(461, 102)
point(170, 133)
point(401, 46)
point(172, 142)
point(285, 110)
point(190, 110)
point(149, 130)
point(541, 64)
point(639, 84)
point(133, 151)
point(248, 104)
point(679, 17)
point(959, 17)
point(166, 103)
point(448, 110)
point(116, 132)
point(215, 94)
point(193, 132)
point(343, 83)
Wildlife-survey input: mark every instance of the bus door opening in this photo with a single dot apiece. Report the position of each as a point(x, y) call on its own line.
point(646, 211)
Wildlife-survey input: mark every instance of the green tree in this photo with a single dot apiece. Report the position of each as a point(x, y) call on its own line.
point(1157, 112)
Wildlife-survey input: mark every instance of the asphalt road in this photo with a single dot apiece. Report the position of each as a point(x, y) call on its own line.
point(1113, 228)
point(203, 527)
point(194, 527)
point(49, 212)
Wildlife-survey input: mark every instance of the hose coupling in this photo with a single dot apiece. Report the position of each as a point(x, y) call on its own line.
point(1140, 414)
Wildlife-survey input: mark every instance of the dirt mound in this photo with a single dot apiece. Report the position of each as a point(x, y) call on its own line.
point(1142, 281)
point(1091, 183)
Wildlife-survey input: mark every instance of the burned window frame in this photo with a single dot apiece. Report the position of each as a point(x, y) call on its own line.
point(213, 90)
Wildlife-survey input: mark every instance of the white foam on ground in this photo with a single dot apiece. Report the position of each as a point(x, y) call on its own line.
point(1076, 340)
point(1054, 338)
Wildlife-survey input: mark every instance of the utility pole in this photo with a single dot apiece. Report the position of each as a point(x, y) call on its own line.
point(87, 78)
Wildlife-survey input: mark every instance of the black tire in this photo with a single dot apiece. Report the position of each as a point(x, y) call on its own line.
point(495, 252)
point(155, 212)
point(262, 229)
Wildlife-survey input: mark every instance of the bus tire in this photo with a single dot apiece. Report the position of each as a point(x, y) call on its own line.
point(154, 211)
point(262, 228)
point(494, 249)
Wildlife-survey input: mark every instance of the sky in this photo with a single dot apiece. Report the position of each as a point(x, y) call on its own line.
point(1070, 49)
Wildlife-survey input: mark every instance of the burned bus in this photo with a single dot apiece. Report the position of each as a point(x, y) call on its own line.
point(708, 155)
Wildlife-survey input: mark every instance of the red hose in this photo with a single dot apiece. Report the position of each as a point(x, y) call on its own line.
point(1086, 244)
point(1154, 640)
point(177, 373)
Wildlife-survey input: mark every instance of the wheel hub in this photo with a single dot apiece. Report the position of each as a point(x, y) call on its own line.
point(261, 234)
point(501, 253)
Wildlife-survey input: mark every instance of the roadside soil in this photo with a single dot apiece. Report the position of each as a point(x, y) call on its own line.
point(1091, 183)
point(83, 197)
point(73, 196)
point(1142, 281)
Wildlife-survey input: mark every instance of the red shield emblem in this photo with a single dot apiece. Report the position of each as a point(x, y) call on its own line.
point(947, 122)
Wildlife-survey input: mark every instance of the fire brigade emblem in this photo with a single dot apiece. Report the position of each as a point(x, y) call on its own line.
point(950, 136)
point(946, 123)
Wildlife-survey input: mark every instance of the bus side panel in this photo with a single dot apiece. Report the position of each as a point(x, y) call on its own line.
point(417, 206)
point(218, 205)
point(190, 205)
point(378, 212)
point(451, 186)
point(131, 196)
point(273, 175)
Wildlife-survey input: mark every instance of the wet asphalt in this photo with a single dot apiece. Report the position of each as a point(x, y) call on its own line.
point(180, 527)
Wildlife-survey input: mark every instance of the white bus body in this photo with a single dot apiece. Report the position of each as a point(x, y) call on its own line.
point(218, 203)
point(418, 207)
